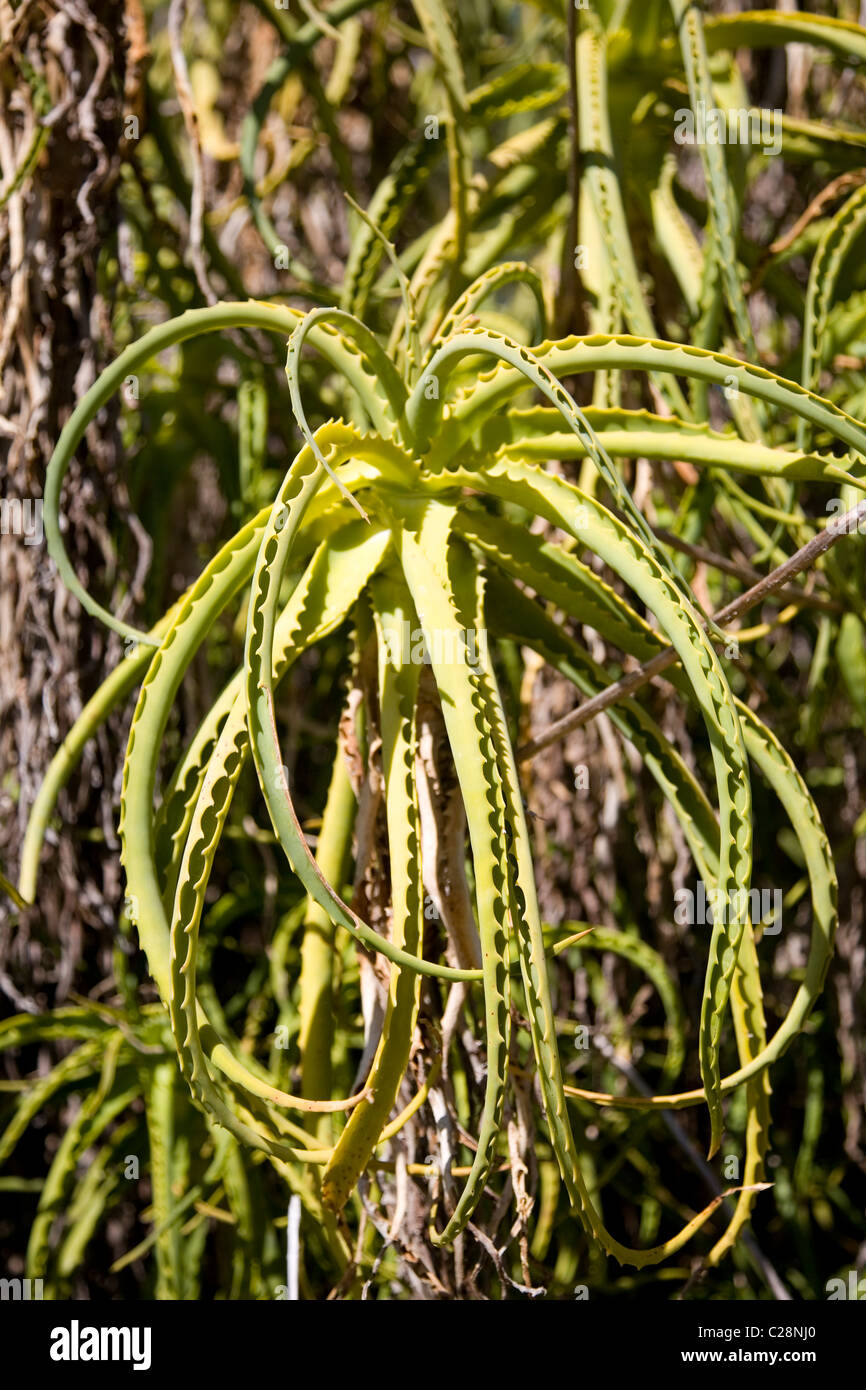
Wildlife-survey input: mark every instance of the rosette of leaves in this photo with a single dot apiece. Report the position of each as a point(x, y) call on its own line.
point(417, 516)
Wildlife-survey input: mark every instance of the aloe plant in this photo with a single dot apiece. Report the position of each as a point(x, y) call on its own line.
point(433, 548)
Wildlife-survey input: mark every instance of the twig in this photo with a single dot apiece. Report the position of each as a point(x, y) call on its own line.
point(496, 1256)
point(740, 570)
point(807, 555)
point(834, 189)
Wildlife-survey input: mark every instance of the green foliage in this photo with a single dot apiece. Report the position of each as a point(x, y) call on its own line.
point(448, 485)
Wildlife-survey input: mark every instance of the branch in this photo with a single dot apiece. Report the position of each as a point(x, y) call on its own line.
point(627, 685)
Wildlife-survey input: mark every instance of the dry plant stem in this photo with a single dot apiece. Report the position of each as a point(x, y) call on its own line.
point(743, 571)
point(834, 190)
point(627, 685)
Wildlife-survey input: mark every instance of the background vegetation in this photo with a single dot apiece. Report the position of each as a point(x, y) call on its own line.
point(155, 158)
